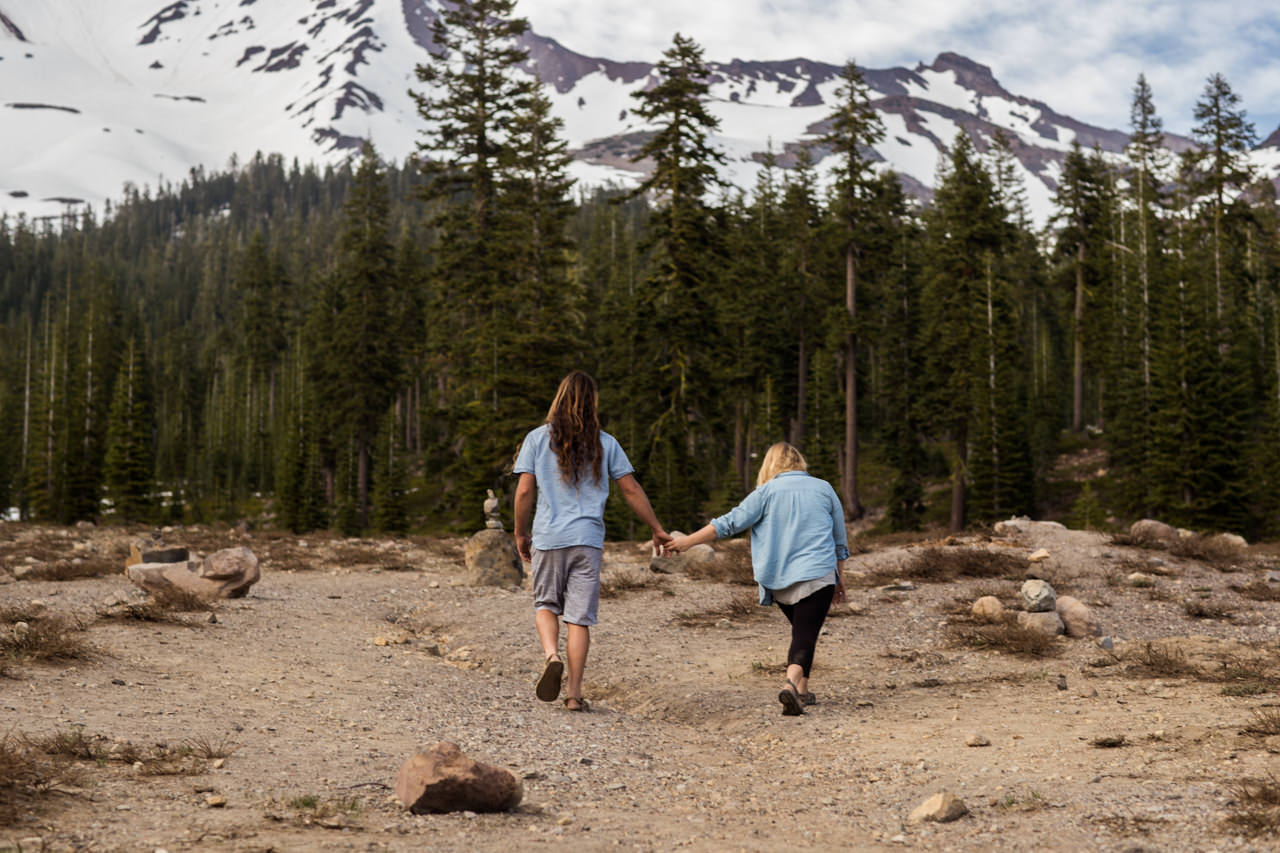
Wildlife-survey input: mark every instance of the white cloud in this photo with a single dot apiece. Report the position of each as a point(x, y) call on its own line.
point(1080, 58)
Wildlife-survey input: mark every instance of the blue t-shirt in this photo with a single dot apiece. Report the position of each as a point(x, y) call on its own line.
point(568, 514)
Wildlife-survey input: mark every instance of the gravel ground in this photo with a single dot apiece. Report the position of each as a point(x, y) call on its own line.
point(349, 655)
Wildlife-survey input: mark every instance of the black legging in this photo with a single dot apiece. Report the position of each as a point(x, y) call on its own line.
point(806, 617)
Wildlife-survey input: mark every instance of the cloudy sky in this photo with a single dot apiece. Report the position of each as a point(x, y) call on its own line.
point(1081, 57)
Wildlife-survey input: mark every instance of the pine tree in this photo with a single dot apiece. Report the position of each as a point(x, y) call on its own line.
point(855, 129)
point(390, 513)
point(356, 362)
point(476, 93)
point(676, 354)
point(130, 459)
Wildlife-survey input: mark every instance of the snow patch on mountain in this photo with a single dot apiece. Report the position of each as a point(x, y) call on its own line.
point(99, 95)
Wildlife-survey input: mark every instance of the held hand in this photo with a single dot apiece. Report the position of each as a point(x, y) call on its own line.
point(678, 545)
point(524, 544)
point(661, 541)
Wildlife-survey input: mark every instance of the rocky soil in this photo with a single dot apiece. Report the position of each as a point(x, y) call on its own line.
point(283, 720)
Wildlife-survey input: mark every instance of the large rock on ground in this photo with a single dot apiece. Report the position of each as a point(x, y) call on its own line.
point(492, 559)
point(223, 574)
point(1152, 530)
point(1049, 624)
point(442, 779)
point(1078, 619)
point(1038, 596)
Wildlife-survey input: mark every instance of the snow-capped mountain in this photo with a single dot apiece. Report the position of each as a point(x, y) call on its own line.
point(94, 95)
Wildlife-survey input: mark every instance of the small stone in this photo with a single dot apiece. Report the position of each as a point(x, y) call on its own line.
point(1107, 643)
point(1038, 556)
point(564, 820)
point(1273, 577)
point(1062, 682)
point(988, 609)
point(977, 739)
point(1077, 618)
point(215, 801)
point(1038, 597)
point(942, 807)
point(219, 763)
point(898, 586)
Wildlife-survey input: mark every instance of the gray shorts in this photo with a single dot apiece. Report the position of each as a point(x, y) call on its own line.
point(566, 581)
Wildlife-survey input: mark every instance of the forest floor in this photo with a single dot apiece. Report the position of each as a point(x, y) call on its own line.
point(280, 723)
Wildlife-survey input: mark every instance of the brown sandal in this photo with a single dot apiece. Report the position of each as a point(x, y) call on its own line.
point(548, 687)
point(583, 704)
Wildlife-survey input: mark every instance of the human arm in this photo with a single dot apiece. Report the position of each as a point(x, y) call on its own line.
point(839, 596)
point(526, 491)
point(633, 494)
point(705, 536)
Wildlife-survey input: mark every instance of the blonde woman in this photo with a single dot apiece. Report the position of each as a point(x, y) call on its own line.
point(567, 465)
point(798, 550)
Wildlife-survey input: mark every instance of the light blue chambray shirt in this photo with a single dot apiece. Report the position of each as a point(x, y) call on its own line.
point(797, 530)
point(569, 515)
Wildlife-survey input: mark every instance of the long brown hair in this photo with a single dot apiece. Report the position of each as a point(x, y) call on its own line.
point(779, 458)
point(575, 427)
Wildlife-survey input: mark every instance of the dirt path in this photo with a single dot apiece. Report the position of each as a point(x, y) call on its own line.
point(335, 668)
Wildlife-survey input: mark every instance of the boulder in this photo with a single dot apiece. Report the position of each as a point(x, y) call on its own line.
point(1022, 524)
point(1045, 622)
point(492, 559)
point(442, 779)
point(1038, 596)
point(224, 574)
point(679, 563)
point(1078, 619)
point(940, 808)
point(1150, 529)
point(988, 609)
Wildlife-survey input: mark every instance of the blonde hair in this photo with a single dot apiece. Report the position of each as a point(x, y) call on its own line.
point(779, 458)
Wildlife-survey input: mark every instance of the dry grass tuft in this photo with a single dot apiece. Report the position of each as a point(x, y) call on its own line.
point(27, 775)
point(36, 634)
point(615, 583)
point(1210, 550)
point(1006, 636)
point(1259, 590)
point(742, 605)
point(731, 565)
point(1160, 660)
point(1207, 609)
point(1265, 722)
point(75, 569)
point(937, 565)
point(1257, 806)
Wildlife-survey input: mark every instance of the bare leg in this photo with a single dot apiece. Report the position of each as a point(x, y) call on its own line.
point(577, 644)
point(548, 625)
point(795, 674)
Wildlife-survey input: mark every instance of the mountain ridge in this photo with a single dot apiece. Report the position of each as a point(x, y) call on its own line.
point(143, 92)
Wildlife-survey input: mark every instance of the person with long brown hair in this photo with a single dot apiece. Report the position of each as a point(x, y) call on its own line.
point(566, 465)
point(798, 548)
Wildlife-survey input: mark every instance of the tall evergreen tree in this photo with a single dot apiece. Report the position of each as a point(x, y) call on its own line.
point(855, 128)
point(355, 356)
point(130, 459)
point(676, 350)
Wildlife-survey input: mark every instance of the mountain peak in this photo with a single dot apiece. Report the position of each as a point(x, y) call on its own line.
point(972, 75)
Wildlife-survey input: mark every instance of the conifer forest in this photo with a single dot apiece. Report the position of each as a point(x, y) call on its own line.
point(363, 348)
